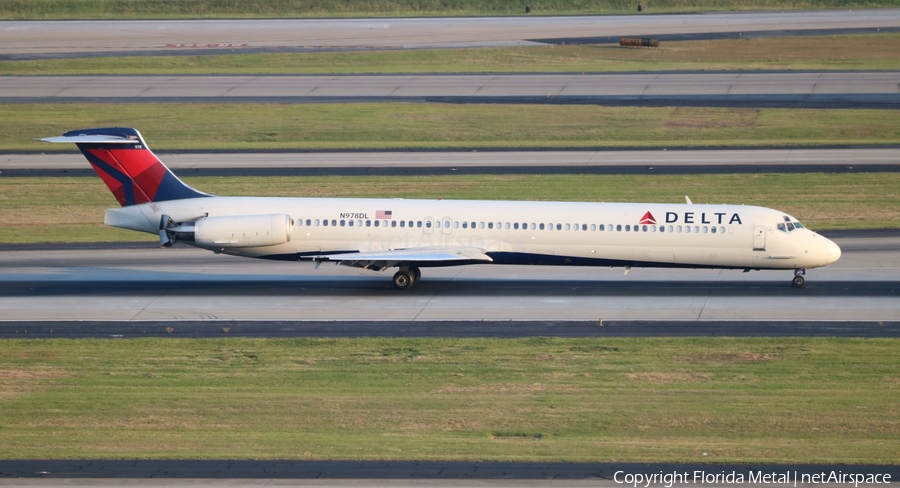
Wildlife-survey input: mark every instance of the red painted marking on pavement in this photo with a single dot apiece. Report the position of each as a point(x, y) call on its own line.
point(216, 44)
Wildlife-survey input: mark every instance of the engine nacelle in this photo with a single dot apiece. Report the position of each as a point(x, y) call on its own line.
point(243, 231)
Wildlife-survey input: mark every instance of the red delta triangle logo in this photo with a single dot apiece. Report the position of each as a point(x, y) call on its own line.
point(648, 219)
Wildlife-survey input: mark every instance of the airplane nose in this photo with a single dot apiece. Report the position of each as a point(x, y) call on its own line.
point(832, 252)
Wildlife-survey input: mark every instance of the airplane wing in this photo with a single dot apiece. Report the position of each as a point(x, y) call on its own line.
point(380, 260)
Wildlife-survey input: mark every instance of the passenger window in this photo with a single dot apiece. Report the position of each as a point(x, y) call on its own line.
point(317, 222)
point(464, 225)
point(568, 226)
point(686, 229)
point(542, 226)
point(456, 225)
point(662, 228)
point(308, 222)
point(419, 224)
point(601, 227)
point(377, 222)
point(533, 227)
point(644, 228)
point(368, 223)
point(713, 229)
point(516, 226)
point(481, 225)
point(325, 222)
point(721, 230)
point(670, 229)
point(343, 222)
point(583, 226)
point(558, 226)
point(393, 223)
point(490, 225)
point(507, 226)
point(593, 227)
point(619, 227)
point(627, 228)
point(704, 229)
point(696, 229)
point(402, 223)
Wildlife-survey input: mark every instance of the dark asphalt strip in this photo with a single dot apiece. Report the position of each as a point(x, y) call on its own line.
point(486, 170)
point(881, 101)
point(264, 469)
point(710, 36)
point(460, 329)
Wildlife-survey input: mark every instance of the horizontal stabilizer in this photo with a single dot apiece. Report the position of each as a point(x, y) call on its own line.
point(91, 139)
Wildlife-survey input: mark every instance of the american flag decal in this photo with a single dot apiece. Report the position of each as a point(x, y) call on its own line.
point(383, 214)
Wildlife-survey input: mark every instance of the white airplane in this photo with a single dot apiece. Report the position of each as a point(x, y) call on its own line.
point(378, 234)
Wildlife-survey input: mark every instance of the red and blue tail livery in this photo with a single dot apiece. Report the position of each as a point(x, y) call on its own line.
point(124, 162)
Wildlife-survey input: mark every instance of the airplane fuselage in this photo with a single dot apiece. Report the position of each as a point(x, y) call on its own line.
point(548, 233)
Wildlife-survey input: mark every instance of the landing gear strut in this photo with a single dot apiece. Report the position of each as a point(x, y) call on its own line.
point(406, 278)
point(799, 280)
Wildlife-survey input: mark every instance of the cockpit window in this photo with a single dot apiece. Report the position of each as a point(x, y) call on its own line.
point(789, 225)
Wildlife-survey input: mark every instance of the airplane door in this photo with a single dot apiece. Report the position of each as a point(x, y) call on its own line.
point(759, 238)
point(446, 227)
point(429, 225)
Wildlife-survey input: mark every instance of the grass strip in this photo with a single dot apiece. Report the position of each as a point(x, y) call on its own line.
point(192, 9)
point(784, 400)
point(416, 125)
point(71, 209)
point(852, 52)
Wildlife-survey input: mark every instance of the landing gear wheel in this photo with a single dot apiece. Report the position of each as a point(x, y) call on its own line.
point(798, 281)
point(417, 275)
point(404, 279)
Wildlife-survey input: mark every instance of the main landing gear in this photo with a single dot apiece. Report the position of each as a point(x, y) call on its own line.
point(406, 278)
point(799, 280)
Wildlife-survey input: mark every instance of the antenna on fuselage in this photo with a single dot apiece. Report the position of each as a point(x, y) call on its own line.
point(687, 199)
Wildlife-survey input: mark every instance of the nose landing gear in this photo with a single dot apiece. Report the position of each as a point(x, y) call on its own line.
point(799, 280)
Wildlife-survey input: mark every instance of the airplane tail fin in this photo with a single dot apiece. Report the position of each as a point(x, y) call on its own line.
point(131, 171)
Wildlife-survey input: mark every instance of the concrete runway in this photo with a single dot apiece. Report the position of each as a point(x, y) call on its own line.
point(183, 283)
point(655, 161)
point(824, 89)
point(162, 36)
